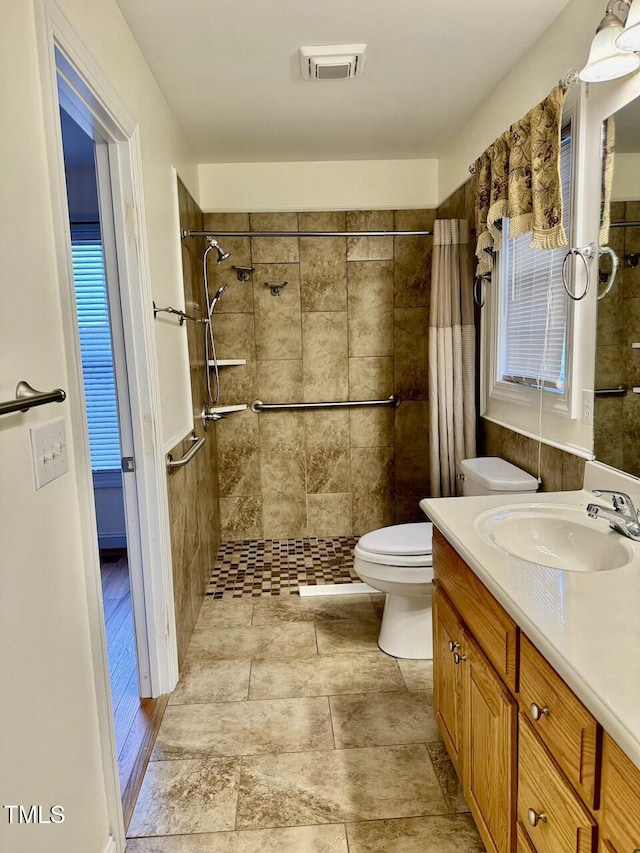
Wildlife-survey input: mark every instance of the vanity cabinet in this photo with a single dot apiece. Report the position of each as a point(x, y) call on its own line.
point(620, 821)
point(538, 774)
point(447, 676)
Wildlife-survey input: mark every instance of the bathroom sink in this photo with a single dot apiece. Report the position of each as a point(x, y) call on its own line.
point(556, 536)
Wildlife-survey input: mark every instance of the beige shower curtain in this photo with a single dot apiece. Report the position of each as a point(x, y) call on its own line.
point(452, 353)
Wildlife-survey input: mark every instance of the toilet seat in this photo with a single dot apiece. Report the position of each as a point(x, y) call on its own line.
point(401, 545)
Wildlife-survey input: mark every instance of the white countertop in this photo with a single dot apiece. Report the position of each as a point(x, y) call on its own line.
point(587, 624)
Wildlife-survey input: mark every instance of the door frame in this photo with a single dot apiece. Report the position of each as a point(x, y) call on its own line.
point(62, 52)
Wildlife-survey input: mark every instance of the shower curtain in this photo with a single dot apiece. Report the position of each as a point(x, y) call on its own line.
point(452, 334)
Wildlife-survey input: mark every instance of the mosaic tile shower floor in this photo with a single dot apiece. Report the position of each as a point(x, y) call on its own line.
point(263, 567)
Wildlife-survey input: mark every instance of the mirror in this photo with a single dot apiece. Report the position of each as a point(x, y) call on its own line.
point(617, 370)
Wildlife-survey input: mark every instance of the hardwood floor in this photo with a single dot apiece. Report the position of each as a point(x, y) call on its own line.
point(136, 720)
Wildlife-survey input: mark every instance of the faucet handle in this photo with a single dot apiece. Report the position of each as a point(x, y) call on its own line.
point(620, 500)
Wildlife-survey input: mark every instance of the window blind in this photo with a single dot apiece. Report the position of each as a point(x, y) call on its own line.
point(95, 347)
point(534, 302)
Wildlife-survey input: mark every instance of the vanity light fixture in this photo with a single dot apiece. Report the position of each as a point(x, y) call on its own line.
point(629, 38)
point(608, 60)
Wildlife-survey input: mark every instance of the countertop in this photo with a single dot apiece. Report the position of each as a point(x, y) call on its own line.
point(587, 624)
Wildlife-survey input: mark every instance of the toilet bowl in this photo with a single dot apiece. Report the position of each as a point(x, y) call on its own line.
point(397, 560)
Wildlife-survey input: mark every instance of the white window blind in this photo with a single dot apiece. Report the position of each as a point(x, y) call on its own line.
point(534, 302)
point(95, 346)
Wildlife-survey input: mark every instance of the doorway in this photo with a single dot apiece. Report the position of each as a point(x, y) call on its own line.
point(97, 305)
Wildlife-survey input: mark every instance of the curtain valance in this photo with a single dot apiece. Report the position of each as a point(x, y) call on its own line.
point(519, 177)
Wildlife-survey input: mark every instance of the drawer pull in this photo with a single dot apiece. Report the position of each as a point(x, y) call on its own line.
point(458, 658)
point(537, 712)
point(453, 646)
point(535, 817)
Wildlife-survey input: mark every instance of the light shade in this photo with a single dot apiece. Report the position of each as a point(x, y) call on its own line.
point(629, 38)
point(606, 60)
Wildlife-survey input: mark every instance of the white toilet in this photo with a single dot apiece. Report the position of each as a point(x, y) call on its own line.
point(397, 560)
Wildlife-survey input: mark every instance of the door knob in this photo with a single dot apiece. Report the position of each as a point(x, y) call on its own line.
point(453, 646)
point(536, 817)
point(458, 658)
point(537, 712)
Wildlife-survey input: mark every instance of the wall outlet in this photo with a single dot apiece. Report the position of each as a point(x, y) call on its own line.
point(49, 449)
point(587, 408)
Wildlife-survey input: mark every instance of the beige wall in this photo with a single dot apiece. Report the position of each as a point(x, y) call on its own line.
point(350, 324)
point(328, 185)
point(194, 509)
point(49, 742)
point(564, 45)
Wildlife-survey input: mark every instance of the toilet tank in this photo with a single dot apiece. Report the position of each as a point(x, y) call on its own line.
point(491, 475)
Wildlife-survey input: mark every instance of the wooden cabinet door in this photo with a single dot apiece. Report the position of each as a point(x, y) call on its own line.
point(489, 757)
point(447, 675)
point(620, 815)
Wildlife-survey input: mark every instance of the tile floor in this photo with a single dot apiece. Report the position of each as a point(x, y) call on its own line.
point(259, 567)
point(291, 732)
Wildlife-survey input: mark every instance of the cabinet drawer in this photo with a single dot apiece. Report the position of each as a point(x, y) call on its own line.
point(486, 619)
point(572, 734)
point(620, 823)
point(555, 819)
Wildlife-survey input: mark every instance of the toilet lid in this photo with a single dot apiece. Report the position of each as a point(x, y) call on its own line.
point(399, 540)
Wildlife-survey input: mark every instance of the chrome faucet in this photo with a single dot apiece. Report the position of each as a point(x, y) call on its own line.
point(623, 517)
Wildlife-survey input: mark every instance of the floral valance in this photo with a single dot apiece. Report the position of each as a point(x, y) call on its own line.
point(519, 177)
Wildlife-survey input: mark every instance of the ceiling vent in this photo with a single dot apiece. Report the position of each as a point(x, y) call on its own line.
point(332, 62)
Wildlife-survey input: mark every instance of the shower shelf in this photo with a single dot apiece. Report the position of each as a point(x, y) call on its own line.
point(226, 410)
point(228, 362)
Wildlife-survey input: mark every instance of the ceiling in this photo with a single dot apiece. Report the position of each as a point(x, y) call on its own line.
point(230, 72)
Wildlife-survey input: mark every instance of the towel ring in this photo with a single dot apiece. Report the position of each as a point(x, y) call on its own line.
point(587, 254)
point(480, 280)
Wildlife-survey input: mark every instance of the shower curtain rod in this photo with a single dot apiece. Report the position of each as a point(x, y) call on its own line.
point(186, 233)
point(633, 223)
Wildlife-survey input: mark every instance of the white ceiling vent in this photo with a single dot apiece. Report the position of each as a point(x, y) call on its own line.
point(332, 62)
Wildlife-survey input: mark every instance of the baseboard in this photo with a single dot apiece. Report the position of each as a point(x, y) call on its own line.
point(336, 589)
point(110, 846)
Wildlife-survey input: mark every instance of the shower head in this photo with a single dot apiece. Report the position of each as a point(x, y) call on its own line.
point(216, 298)
point(222, 255)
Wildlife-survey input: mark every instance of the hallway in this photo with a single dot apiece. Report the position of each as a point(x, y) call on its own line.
point(291, 731)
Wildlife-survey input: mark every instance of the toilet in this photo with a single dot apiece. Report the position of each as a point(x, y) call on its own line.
point(397, 560)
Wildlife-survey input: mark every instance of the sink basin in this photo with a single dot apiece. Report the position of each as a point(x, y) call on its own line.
point(556, 536)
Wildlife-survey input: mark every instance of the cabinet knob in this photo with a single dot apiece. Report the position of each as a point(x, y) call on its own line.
point(537, 712)
point(535, 817)
point(453, 646)
point(458, 658)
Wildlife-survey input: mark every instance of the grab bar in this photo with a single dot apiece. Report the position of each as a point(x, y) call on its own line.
point(27, 398)
point(181, 315)
point(188, 456)
point(259, 406)
point(620, 391)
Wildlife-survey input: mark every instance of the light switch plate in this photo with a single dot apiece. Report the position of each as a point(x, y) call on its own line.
point(49, 449)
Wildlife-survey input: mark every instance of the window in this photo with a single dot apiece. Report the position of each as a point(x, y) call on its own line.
point(95, 345)
point(533, 327)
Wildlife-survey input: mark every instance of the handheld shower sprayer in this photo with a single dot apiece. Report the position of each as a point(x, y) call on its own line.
point(216, 298)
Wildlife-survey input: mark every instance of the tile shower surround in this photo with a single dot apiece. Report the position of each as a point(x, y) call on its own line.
point(617, 419)
point(350, 324)
point(194, 512)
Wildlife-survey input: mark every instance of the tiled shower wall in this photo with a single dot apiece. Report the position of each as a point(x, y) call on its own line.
point(351, 323)
point(559, 470)
point(617, 419)
point(193, 490)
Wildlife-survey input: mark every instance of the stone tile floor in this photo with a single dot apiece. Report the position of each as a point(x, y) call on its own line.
point(291, 732)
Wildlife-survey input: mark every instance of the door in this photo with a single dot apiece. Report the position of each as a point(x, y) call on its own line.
point(489, 751)
point(448, 675)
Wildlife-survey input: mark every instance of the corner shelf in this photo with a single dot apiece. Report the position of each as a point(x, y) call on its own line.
point(228, 362)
